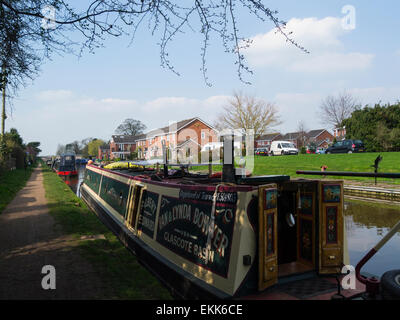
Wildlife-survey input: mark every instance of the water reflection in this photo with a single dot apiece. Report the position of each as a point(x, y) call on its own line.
point(366, 224)
point(74, 182)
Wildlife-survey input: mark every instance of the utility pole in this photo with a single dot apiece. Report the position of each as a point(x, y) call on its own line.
point(3, 113)
point(3, 84)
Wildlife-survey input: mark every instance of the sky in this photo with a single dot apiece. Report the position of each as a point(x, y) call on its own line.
point(75, 98)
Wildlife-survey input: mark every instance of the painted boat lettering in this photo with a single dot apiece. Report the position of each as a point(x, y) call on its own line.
point(222, 197)
point(147, 216)
point(188, 230)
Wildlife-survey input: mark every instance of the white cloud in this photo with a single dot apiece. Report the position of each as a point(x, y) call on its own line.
point(374, 95)
point(333, 62)
point(60, 116)
point(296, 107)
point(319, 36)
point(54, 95)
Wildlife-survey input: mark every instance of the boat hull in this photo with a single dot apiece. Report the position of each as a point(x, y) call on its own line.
point(181, 284)
point(221, 241)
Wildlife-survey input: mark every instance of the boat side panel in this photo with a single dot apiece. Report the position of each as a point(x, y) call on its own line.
point(111, 191)
point(180, 228)
point(244, 242)
point(181, 283)
point(183, 240)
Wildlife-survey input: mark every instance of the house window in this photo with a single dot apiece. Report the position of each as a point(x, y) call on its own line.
point(168, 138)
point(203, 135)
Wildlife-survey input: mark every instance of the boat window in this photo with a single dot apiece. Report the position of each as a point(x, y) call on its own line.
point(137, 191)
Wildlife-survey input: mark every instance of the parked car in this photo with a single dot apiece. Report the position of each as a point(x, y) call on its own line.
point(320, 150)
point(283, 148)
point(346, 146)
point(261, 151)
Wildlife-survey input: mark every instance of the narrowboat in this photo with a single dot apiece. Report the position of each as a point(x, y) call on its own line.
point(81, 161)
point(65, 165)
point(228, 236)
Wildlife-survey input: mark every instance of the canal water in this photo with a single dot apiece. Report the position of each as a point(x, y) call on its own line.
point(366, 224)
point(75, 181)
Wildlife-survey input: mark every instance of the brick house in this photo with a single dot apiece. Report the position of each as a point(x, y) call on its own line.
point(294, 137)
point(340, 133)
point(265, 140)
point(321, 137)
point(121, 146)
point(104, 152)
point(181, 138)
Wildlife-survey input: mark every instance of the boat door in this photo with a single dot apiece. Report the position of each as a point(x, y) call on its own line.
point(134, 202)
point(306, 220)
point(330, 227)
point(267, 237)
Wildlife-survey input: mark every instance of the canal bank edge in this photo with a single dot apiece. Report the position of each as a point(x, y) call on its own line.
point(124, 277)
point(11, 182)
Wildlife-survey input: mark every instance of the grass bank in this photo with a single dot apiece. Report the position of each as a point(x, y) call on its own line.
point(116, 265)
point(10, 183)
point(358, 162)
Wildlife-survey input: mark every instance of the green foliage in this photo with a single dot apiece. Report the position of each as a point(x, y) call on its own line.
point(312, 146)
point(377, 127)
point(303, 150)
point(93, 147)
point(12, 146)
point(10, 183)
point(133, 155)
point(13, 135)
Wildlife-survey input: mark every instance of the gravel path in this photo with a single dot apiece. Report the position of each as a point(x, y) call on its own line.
point(29, 240)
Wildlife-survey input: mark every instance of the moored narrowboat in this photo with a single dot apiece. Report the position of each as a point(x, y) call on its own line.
point(65, 165)
point(235, 237)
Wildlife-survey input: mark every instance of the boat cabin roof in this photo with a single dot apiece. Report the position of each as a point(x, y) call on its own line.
point(183, 176)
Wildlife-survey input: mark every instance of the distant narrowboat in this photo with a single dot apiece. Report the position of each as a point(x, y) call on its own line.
point(65, 165)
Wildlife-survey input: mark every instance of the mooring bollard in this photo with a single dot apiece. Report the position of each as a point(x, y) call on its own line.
point(376, 165)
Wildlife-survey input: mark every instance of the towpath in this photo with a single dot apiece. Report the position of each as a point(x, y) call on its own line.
point(29, 240)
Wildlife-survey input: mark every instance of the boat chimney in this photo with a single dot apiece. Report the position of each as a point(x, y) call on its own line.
point(165, 158)
point(228, 168)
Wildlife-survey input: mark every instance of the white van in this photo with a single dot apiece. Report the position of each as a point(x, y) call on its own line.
point(282, 147)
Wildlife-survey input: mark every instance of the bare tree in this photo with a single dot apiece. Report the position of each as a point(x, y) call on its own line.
point(100, 18)
point(334, 110)
point(247, 112)
point(130, 127)
point(302, 137)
